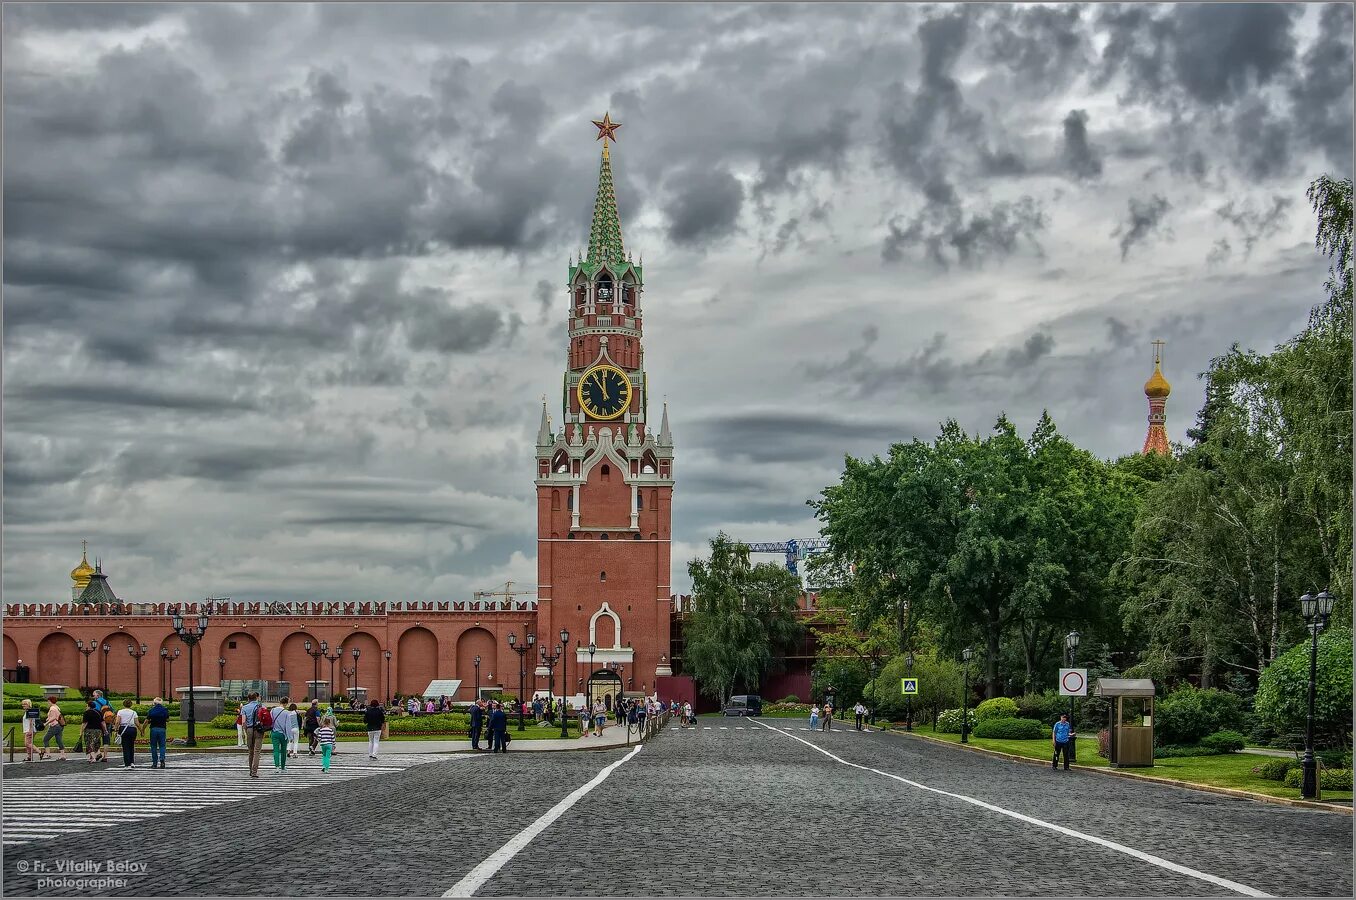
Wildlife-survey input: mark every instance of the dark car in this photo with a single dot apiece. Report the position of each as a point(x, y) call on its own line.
point(744, 705)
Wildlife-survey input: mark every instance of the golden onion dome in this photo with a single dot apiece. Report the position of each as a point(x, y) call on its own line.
point(81, 573)
point(1157, 386)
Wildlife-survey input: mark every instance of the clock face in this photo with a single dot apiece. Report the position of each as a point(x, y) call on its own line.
point(604, 392)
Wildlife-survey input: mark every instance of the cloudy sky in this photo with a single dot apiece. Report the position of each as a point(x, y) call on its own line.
point(284, 284)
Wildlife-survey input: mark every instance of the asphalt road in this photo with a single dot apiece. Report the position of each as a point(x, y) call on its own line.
point(749, 810)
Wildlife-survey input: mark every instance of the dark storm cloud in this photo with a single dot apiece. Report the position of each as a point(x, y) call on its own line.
point(767, 436)
point(1045, 47)
point(1325, 85)
point(1254, 224)
point(946, 235)
point(93, 396)
point(1145, 220)
point(704, 205)
point(61, 17)
point(1079, 156)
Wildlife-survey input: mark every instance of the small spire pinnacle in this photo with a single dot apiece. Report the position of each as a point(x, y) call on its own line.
point(544, 429)
point(665, 436)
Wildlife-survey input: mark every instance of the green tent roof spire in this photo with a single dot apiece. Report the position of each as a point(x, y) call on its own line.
point(605, 237)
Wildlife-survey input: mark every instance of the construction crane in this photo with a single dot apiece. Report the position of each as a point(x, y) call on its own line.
point(795, 549)
point(507, 593)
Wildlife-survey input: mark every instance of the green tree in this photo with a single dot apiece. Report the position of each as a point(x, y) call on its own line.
point(744, 617)
point(867, 650)
point(940, 683)
point(1282, 700)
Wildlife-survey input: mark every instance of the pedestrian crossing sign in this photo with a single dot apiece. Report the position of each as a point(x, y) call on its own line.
point(909, 685)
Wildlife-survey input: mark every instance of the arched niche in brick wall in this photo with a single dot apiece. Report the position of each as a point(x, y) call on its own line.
point(416, 660)
point(59, 662)
point(242, 660)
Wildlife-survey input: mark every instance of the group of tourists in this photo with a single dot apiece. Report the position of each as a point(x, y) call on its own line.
point(489, 717)
point(101, 726)
point(284, 725)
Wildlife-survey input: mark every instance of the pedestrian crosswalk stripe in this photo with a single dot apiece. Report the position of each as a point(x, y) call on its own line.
point(100, 798)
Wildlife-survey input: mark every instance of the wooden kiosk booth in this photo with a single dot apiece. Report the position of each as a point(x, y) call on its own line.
point(1132, 720)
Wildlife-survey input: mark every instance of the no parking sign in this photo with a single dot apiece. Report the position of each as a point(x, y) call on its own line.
point(1073, 682)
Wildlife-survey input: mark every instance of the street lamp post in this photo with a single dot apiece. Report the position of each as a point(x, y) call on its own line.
point(1071, 647)
point(137, 655)
point(169, 659)
point(564, 711)
point(593, 648)
point(387, 654)
point(315, 667)
point(87, 650)
point(908, 699)
point(190, 634)
point(522, 670)
point(338, 655)
point(549, 661)
point(355, 671)
point(1316, 611)
point(477, 663)
point(966, 655)
point(106, 648)
point(348, 684)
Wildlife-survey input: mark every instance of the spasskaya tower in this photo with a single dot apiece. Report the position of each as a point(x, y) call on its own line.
point(604, 479)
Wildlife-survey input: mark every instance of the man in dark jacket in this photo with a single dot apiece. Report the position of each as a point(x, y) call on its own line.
point(498, 730)
point(477, 723)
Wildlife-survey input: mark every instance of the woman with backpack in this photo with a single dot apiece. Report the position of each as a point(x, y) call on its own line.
point(56, 724)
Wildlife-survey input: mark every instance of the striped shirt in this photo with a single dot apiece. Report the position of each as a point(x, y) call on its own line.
point(324, 734)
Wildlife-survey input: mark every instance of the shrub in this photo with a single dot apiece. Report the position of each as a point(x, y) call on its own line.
point(1188, 714)
point(1224, 741)
point(1010, 729)
point(949, 721)
point(1328, 779)
point(1283, 688)
point(226, 720)
point(1171, 752)
point(996, 708)
point(1275, 769)
point(435, 722)
point(1042, 707)
point(1289, 741)
point(1104, 743)
point(789, 698)
point(1336, 759)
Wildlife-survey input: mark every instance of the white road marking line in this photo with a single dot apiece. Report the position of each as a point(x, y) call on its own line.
point(1103, 842)
point(474, 879)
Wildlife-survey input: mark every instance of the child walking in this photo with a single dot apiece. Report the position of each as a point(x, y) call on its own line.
point(324, 736)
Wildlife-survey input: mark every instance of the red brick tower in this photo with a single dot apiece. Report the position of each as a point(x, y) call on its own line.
point(605, 480)
point(1157, 390)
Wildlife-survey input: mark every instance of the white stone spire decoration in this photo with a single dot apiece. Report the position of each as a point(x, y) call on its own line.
point(665, 436)
point(544, 430)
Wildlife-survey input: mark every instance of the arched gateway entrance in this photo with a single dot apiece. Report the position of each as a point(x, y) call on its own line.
point(604, 685)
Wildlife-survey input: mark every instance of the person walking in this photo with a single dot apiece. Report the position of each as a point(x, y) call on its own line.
point(1060, 738)
point(31, 715)
point(375, 717)
point(312, 723)
point(814, 717)
point(92, 732)
point(56, 724)
point(240, 728)
point(293, 732)
point(688, 717)
point(127, 733)
point(255, 728)
point(157, 720)
point(585, 714)
point(860, 712)
point(324, 736)
point(477, 723)
point(281, 733)
point(827, 723)
point(498, 729)
point(599, 717)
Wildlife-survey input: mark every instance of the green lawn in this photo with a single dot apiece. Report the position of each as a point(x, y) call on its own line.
point(1229, 770)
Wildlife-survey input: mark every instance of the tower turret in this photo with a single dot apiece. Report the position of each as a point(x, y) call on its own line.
point(1157, 389)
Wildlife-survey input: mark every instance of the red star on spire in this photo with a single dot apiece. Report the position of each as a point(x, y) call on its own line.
point(607, 129)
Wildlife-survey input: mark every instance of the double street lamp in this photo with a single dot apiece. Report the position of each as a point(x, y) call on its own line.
point(355, 671)
point(550, 660)
point(315, 666)
point(967, 654)
point(168, 659)
point(87, 650)
point(190, 634)
point(522, 671)
point(338, 655)
point(137, 655)
point(1316, 611)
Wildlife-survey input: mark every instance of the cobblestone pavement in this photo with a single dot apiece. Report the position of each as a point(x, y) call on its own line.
point(745, 811)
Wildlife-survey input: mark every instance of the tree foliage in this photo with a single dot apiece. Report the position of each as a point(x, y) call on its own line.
point(744, 617)
point(1283, 691)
